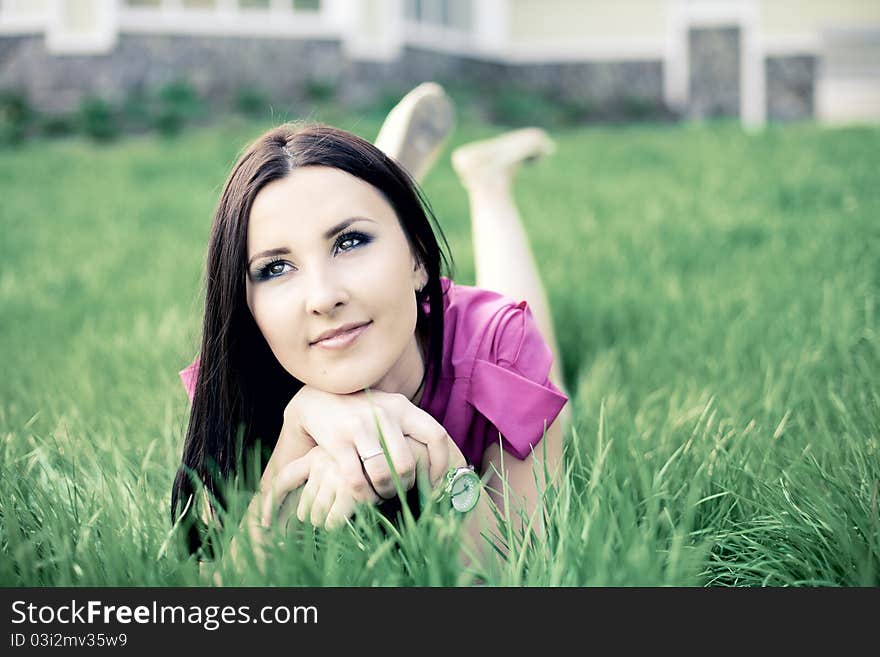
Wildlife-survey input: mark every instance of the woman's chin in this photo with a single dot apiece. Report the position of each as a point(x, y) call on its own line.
point(341, 388)
point(342, 382)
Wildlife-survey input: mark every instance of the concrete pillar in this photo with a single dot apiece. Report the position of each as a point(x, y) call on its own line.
point(491, 25)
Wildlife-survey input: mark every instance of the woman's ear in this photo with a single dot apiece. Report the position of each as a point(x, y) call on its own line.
point(420, 276)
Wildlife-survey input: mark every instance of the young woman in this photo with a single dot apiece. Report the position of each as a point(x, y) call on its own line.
point(327, 320)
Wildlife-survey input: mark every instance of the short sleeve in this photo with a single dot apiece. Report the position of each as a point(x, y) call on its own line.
point(189, 377)
point(510, 382)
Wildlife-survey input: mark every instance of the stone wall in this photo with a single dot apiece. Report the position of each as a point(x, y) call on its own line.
point(218, 66)
point(594, 83)
point(714, 72)
point(791, 84)
point(281, 68)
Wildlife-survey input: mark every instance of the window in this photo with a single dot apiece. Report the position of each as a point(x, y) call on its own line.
point(455, 14)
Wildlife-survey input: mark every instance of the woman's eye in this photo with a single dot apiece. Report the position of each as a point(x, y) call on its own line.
point(271, 270)
point(346, 242)
point(350, 241)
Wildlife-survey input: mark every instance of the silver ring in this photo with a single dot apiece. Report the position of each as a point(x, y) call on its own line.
point(378, 452)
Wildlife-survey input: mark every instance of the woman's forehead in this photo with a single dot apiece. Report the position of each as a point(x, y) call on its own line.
point(310, 200)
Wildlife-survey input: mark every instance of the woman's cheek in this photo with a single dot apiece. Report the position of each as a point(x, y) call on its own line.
point(275, 319)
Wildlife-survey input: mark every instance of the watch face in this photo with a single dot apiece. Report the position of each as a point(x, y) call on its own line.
point(465, 491)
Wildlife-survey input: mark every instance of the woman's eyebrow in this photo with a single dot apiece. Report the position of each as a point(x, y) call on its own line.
point(342, 225)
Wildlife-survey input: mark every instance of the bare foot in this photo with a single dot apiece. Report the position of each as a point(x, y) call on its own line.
point(416, 129)
point(496, 160)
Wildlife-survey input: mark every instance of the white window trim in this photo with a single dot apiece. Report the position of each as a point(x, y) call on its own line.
point(485, 38)
point(491, 24)
point(279, 20)
point(22, 23)
point(363, 47)
point(99, 40)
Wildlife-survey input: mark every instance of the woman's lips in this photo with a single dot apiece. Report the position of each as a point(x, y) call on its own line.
point(343, 339)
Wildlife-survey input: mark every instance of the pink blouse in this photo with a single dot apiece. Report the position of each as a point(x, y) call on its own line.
point(494, 381)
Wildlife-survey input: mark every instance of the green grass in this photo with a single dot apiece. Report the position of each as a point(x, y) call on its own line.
point(716, 301)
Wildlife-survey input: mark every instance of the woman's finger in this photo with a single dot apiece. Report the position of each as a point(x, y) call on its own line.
point(342, 510)
point(420, 426)
point(423, 460)
point(289, 478)
point(353, 474)
point(337, 424)
point(310, 490)
point(402, 459)
point(323, 501)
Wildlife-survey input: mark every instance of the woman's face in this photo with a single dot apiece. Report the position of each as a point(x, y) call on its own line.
point(326, 250)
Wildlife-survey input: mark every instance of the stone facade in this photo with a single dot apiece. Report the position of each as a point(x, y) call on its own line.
point(714, 65)
point(218, 66)
point(791, 84)
point(595, 83)
point(281, 69)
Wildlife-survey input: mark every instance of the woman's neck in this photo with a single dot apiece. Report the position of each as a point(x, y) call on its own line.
point(406, 376)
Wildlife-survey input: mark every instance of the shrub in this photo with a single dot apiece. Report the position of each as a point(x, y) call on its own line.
point(16, 116)
point(518, 107)
point(177, 104)
point(138, 109)
point(320, 90)
point(251, 102)
point(98, 119)
point(636, 108)
point(57, 125)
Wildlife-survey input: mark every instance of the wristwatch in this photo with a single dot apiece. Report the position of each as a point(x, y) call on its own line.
point(463, 488)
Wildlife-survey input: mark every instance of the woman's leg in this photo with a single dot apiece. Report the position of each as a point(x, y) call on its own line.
point(416, 128)
point(502, 256)
point(414, 132)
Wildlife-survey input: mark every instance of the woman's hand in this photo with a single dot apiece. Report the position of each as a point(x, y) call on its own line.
point(326, 499)
point(346, 427)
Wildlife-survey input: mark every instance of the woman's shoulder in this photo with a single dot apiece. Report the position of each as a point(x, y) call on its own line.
point(499, 351)
point(485, 324)
point(474, 306)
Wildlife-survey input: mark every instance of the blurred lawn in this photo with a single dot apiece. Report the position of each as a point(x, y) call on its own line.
point(715, 295)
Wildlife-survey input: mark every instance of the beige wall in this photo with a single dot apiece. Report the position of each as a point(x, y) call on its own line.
point(25, 7)
point(574, 21)
point(372, 17)
point(807, 18)
point(79, 15)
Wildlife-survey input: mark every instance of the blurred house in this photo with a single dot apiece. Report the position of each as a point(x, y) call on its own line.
point(756, 59)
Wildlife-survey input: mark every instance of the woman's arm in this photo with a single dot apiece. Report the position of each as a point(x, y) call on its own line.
point(295, 443)
point(314, 418)
point(523, 493)
point(480, 524)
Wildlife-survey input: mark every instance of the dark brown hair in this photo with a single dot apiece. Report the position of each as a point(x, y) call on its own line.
point(242, 389)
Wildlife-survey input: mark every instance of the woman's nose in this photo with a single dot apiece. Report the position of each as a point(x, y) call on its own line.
point(325, 293)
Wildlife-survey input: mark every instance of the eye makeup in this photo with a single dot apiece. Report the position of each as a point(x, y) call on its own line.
point(265, 272)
